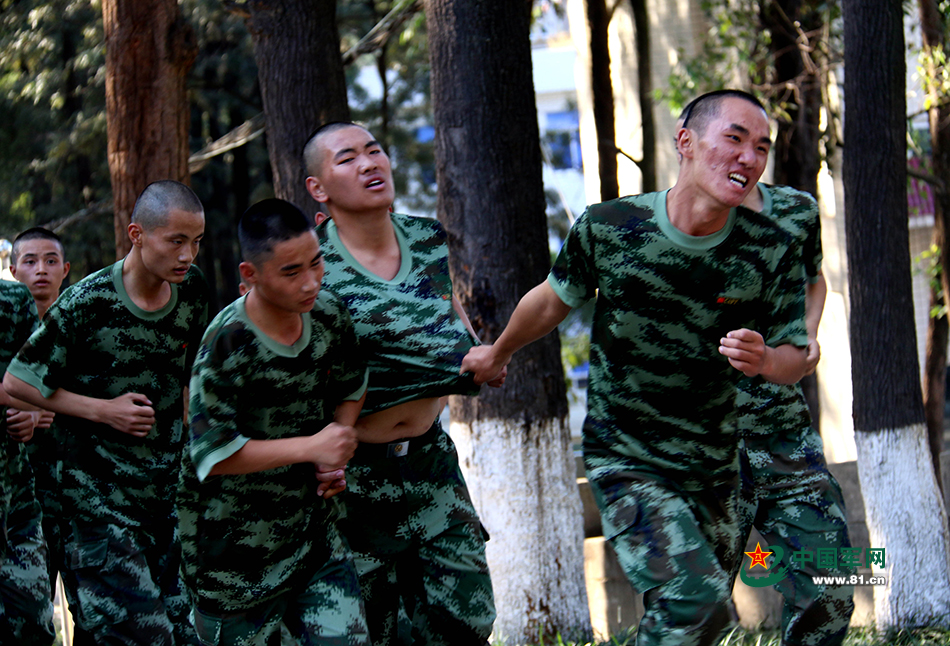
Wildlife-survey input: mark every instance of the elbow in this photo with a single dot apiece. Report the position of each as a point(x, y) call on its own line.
point(12, 387)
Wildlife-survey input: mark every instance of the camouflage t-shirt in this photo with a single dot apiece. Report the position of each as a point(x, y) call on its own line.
point(661, 399)
point(95, 341)
point(413, 339)
point(764, 406)
point(18, 319)
point(247, 538)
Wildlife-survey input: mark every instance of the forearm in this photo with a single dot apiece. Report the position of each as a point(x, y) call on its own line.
point(538, 313)
point(348, 412)
point(457, 306)
point(785, 364)
point(261, 455)
point(12, 402)
point(815, 294)
point(61, 401)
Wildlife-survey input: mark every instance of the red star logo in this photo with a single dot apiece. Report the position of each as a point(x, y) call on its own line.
point(758, 557)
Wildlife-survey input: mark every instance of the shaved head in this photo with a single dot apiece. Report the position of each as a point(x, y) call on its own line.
point(312, 159)
point(159, 199)
point(700, 111)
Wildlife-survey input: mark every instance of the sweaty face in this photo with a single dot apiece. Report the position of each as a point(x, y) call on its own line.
point(168, 251)
point(355, 174)
point(40, 267)
point(731, 154)
point(290, 278)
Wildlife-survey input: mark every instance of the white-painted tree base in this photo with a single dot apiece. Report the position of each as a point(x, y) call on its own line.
point(905, 515)
point(523, 481)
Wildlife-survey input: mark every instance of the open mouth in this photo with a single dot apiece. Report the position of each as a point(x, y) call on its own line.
point(374, 183)
point(738, 180)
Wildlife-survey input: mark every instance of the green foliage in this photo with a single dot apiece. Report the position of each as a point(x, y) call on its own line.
point(403, 111)
point(928, 263)
point(736, 51)
point(53, 144)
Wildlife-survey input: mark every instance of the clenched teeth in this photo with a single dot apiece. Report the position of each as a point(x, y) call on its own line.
point(741, 180)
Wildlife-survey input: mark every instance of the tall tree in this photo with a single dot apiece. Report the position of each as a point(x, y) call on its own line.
point(598, 21)
point(934, 32)
point(904, 511)
point(149, 50)
point(297, 48)
point(794, 26)
point(514, 443)
point(647, 163)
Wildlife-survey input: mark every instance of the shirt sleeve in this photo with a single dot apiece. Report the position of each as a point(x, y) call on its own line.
point(573, 277)
point(786, 295)
point(42, 360)
point(353, 372)
point(18, 320)
point(811, 248)
point(216, 382)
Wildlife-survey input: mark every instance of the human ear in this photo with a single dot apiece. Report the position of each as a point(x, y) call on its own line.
point(315, 188)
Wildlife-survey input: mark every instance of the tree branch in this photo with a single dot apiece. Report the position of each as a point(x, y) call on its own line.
point(937, 183)
point(255, 126)
point(383, 30)
point(247, 131)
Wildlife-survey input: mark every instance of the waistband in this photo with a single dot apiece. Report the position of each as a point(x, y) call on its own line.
point(399, 448)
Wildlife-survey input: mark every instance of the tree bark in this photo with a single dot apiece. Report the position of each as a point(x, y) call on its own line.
point(149, 50)
point(796, 153)
point(598, 20)
point(904, 510)
point(297, 50)
point(514, 444)
point(933, 31)
point(647, 164)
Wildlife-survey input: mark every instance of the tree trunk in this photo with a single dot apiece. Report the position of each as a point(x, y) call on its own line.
point(149, 50)
point(514, 443)
point(598, 21)
point(796, 153)
point(647, 164)
point(297, 49)
point(904, 510)
point(933, 31)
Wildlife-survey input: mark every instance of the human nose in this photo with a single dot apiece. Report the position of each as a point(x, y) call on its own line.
point(367, 163)
point(748, 156)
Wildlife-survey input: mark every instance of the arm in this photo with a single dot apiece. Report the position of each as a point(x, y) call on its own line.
point(130, 413)
point(499, 380)
point(20, 423)
point(334, 445)
point(538, 312)
point(332, 479)
point(815, 294)
point(747, 351)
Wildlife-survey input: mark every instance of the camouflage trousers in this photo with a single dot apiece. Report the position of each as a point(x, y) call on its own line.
point(41, 450)
point(123, 586)
point(420, 548)
point(26, 609)
point(677, 548)
point(788, 495)
point(327, 611)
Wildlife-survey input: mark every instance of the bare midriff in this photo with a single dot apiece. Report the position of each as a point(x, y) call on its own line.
point(402, 421)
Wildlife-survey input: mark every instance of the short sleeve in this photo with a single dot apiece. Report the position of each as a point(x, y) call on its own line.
point(811, 247)
point(786, 295)
point(216, 381)
point(573, 277)
point(42, 360)
point(352, 372)
point(18, 320)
